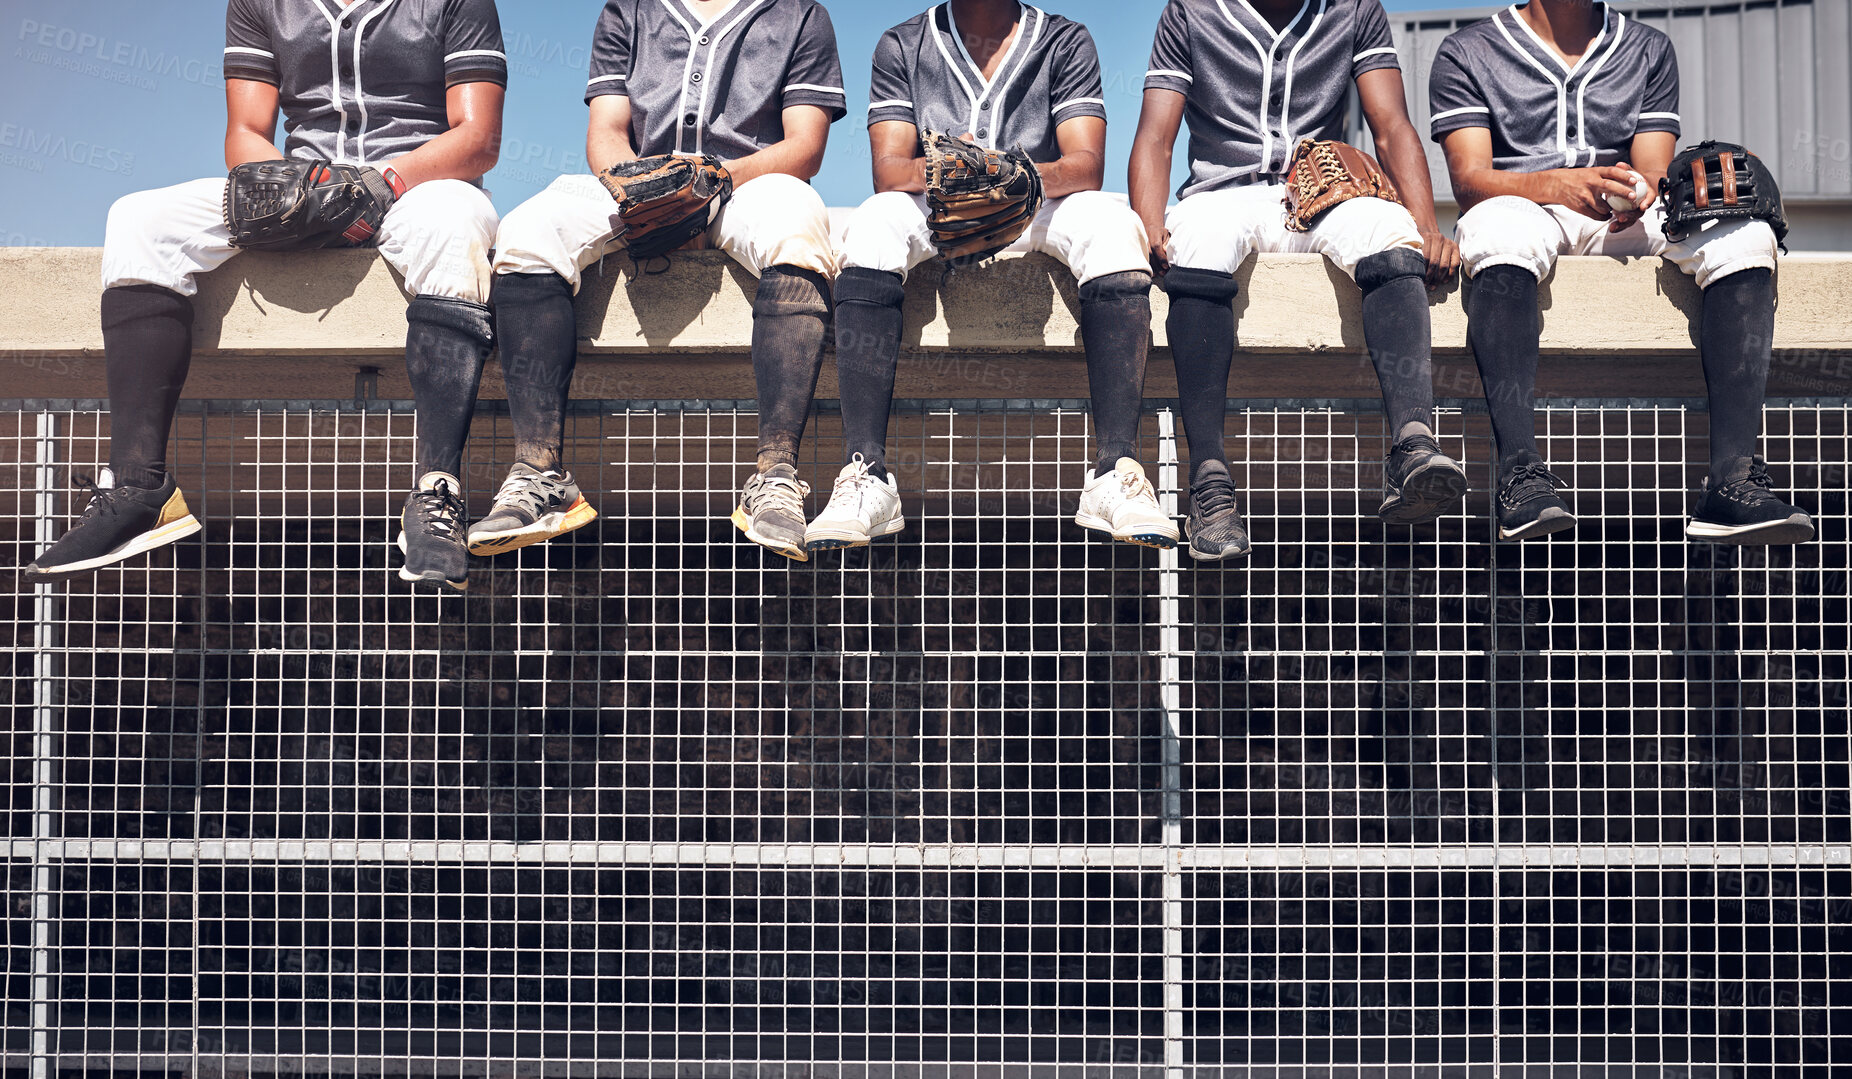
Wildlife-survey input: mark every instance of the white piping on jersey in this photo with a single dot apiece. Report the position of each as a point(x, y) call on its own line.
point(1659, 116)
point(606, 78)
point(991, 91)
point(1167, 72)
point(896, 104)
point(476, 52)
point(1286, 99)
point(1581, 93)
point(715, 38)
point(681, 103)
point(360, 33)
point(334, 78)
point(251, 51)
point(1266, 67)
point(952, 65)
point(1373, 52)
point(1456, 112)
point(1002, 92)
point(1562, 110)
point(1100, 101)
point(1552, 53)
point(814, 86)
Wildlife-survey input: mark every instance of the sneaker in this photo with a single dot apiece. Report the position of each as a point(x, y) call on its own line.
point(1123, 504)
point(431, 534)
point(862, 507)
point(1419, 482)
point(1528, 505)
point(1215, 527)
point(771, 511)
point(532, 507)
point(119, 523)
point(1745, 509)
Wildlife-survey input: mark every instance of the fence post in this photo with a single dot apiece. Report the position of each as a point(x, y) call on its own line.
point(44, 733)
point(1170, 690)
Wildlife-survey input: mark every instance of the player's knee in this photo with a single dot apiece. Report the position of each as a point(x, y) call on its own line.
point(876, 234)
point(135, 214)
point(454, 204)
point(1734, 247)
point(1506, 231)
point(1387, 267)
point(1209, 241)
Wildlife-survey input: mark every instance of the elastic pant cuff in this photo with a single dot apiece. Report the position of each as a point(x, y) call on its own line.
point(791, 290)
point(127, 303)
point(859, 285)
point(1375, 271)
point(528, 288)
point(1130, 285)
point(467, 317)
point(1200, 284)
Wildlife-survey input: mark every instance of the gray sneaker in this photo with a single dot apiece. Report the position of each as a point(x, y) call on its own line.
point(771, 511)
point(532, 507)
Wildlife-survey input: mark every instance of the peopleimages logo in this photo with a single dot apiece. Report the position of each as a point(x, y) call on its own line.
point(84, 53)
point(27, 144)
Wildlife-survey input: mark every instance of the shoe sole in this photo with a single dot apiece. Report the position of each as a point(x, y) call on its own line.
point(1426, 494)
point(432, 578)
point(139, 544)
point(1158, 539)
point(1797, 528)
point(795, 552)
point(558, 523)
point(1542, 526)
point(838, 540)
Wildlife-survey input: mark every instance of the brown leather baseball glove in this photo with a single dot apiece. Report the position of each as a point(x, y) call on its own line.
point(980, 200)
point(1325, 173)
point(667, 200)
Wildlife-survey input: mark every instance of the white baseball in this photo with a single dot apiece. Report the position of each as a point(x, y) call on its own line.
point(1640, 191)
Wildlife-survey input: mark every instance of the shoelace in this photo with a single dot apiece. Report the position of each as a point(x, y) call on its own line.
point(1755, 487)
point(1424, 443)
point(439, 509)
point(1134, 484)
point(101, 498)
point(1213, 496)
point(853, 486)
point(1530, 480)
point(526, 490)
point(776, 492)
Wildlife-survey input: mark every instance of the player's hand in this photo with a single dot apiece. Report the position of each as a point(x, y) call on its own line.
point(1160, 248)
point(1443, 257)
point(1626, 219)
point(1586, 191)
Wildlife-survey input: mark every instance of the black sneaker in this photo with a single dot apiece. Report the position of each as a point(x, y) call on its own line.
point(771, 512)
point(119, 523)
point(1215, 527)
point(1528, 505)
point(532, 507)
point(1744, 508)
point(1419, 482)
point(431, 534)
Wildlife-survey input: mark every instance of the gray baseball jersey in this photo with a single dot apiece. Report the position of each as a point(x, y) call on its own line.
point(1543, 114)
point(720, 87)
point(1252, 92)
point(363, 83)
point(924, 75)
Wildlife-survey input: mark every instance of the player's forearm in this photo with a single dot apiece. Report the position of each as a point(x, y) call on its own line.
point(1150, 180)
point(464, 152)
point(1407, 166)
point(792, 157)
point(606, 148)
point(907, 174)
point(243, 145)
point(1474, 186)
point(1083, 170)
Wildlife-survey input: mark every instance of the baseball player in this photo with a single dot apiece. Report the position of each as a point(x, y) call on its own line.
point(1007, 77)
point(707, 120)
point(1559, 120)
point(1253, 78)
point(386, 145)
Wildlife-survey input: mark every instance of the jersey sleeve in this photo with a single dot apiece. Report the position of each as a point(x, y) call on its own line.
point(611, 51)
point(1454, 98)
point(248, 51)
point(473, 43)
point(890, 86)
point(1659, 106)
point(814, 76)
point(1375, 46)
point(1171, 65)
point(1075, 89)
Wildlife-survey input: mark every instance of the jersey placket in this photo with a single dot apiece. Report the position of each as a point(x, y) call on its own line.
point(994, 91)
point(1270, 101)
point(345, 34)
point(698, 73)
point(1571, 139)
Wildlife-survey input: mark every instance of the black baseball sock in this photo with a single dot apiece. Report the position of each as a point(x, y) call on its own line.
point(147, 349)
point(868, 315)
point(539, 348)
point(1736, 340)
point(1201, 327)
point(790, 313)
point(446, 345)
point(1397, 330)
point(1115, 327)
point(1503, 327)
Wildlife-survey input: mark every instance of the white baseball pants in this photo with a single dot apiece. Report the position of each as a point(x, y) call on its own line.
point(1218, 230)
point(1091, 232)
point(1510, 231)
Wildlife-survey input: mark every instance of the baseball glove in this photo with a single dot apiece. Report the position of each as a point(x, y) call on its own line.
point(980, 200)
point(667, 200)
point(1719, 180)
point(290, 205)
point(1325, 173)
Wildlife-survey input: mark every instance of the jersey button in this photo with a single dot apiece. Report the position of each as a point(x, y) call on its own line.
point(696, 77)
point(985, 107)
point(688, 120)
point(703, 39)
point(982, 134)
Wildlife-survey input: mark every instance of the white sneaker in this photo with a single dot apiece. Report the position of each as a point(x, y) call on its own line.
point(862, 508)
point(1123, 504)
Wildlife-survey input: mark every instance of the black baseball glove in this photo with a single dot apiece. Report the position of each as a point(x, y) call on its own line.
point(667, 200)
point(291, 205)
point(1719, 180)
point(979, 200)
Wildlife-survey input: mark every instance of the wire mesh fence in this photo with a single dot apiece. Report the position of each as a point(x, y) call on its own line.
point(993, 798)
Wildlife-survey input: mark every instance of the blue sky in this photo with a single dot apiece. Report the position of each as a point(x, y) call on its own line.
point(102, 97)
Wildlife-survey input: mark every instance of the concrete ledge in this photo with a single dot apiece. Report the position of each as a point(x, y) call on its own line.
point(348, 304)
